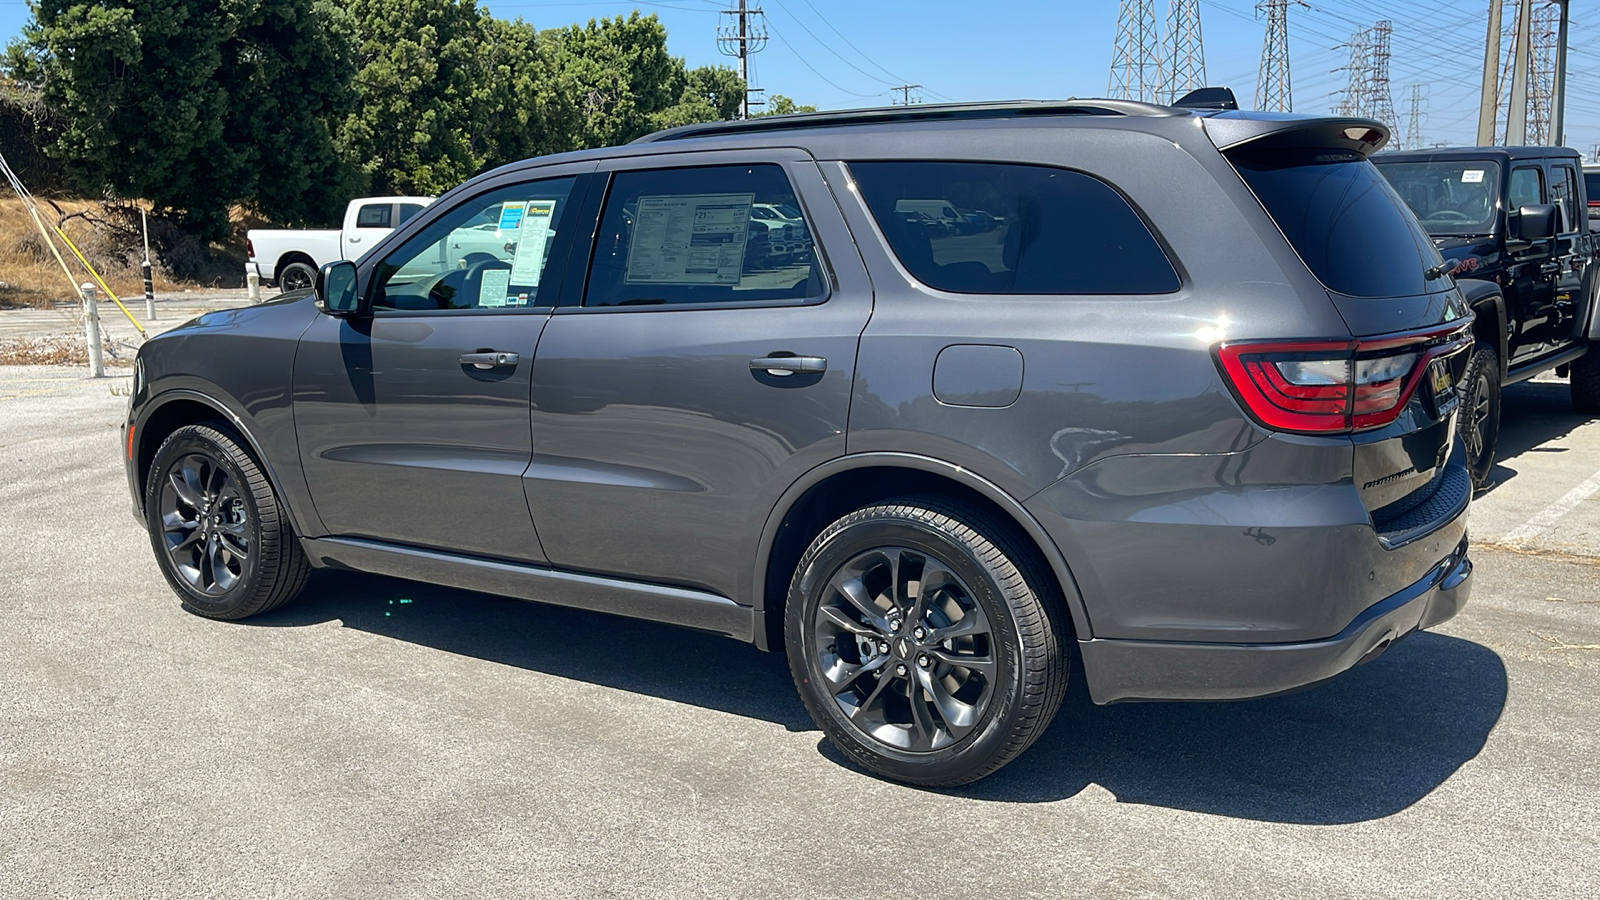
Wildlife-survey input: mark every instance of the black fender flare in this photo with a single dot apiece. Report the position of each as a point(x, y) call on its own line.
point(1489, 303)
point(963, 476)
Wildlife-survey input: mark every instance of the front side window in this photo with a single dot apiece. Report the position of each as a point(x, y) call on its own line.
point(1564, 193)
point(1527, 187)
point(1449, 197)
point(1033, 230)
point(374, 215)
point(701, 235)
point(487, 253)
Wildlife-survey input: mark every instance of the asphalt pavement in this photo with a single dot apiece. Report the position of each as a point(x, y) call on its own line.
point(381, 738)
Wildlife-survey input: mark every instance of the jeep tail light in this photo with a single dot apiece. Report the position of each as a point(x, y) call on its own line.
point(1328, 387)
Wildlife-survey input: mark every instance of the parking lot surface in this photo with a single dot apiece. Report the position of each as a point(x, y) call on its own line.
point(380, 738)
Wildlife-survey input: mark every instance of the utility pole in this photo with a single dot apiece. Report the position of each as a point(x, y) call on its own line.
point(1558, 104)
point(905, 93)
point(1489, 101)
point(1414, 139)
point(740, 38)
point(1273, 91)
point(1136, 56)
point(1183, 55)
point(1517, 115)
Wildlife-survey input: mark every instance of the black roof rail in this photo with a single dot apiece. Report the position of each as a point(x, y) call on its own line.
point(921, 112)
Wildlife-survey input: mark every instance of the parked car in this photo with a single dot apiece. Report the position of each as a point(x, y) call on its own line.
point(290, 257)
point(1187, 416)
point(1591, 187)
point(786, 231)
point(1510, 223)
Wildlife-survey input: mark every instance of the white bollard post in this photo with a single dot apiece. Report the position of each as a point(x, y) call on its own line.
point(149, 292)
point(254, 282)
point(91, 331)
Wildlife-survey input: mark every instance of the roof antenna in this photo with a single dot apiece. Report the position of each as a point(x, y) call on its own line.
point(1207, 98)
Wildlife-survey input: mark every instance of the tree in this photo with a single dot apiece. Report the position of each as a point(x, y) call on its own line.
point(195, 105)
point(780, 105)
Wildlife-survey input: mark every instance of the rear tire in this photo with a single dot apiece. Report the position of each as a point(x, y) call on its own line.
point(297, 276)
point(1479, 425)
point(220, 535)
point(925, 640)
point(1585, 383)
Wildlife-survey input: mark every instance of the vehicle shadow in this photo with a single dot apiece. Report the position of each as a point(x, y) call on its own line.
point(1531, 413)
point(1363, 746)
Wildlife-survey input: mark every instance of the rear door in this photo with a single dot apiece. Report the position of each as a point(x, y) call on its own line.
point(413, 421)
point(693, 379)
point(1533, 267)
point(1573, 251)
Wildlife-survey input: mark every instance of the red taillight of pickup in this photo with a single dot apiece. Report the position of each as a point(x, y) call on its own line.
point(250, 248)
point(1332, 387)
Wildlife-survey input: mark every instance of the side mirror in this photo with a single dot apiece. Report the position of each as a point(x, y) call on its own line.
point(1535, 222)
point(336, 289)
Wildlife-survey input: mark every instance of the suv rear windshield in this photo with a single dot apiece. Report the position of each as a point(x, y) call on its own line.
point(1348, 225)
point(1450, 197)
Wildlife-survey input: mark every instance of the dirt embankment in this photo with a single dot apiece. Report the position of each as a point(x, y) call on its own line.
point(109, 237)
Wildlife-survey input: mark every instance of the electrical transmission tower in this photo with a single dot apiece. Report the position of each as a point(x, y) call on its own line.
point(1379, 99)
point(1272, 79)
point(743, 35)
point(1183, 56)
point(1413, 136)
point(1136, 58)
point(1353, 102)
point(1542, 76)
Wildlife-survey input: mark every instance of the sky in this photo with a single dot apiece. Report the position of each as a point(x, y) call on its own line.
point(848, 53)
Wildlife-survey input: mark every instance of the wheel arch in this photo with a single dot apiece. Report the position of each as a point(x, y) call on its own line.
point(833, 489)
point(1488, 301)
point(173, 409)
point(292, 256)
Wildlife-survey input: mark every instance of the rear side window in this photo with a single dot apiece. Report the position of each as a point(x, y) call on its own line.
point(1591, 187)
point(1348, 225)
point(407, 210)
point(1564, 191)
point(374, 216)
point(1001, 228)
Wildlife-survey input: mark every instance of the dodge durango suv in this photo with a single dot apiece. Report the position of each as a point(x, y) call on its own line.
point(1181, 421)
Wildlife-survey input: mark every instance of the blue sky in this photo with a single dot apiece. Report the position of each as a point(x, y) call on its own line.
point(843, 53)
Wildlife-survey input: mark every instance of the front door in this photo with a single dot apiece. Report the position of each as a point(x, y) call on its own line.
point(661, 444)
point(413, 419)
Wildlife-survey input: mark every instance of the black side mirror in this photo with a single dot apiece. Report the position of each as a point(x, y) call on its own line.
point(336, 289)
point(1536, 222)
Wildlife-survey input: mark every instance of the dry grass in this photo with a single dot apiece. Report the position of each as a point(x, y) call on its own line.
point(29, 275)
point(62, 349)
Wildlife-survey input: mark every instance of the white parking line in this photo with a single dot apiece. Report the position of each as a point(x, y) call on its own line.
point(1551, 514)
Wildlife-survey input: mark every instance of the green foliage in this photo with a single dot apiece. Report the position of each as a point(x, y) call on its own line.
point(780, 105)
point(195, 104)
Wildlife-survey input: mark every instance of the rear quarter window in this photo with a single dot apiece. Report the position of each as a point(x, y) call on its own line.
point(1026, 230)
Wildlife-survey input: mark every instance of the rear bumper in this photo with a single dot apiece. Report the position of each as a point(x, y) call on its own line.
point(1171, 670)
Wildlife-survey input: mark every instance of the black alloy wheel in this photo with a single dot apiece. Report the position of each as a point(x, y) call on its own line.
point(297, 276)
point(926, 640)
point(220, 534)
point(1479, 425)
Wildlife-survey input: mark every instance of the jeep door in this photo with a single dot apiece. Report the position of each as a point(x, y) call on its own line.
point(412, 418)
point(691, 380)
point(1531, 269)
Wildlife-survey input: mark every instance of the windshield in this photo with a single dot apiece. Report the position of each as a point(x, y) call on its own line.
point(1448, 196)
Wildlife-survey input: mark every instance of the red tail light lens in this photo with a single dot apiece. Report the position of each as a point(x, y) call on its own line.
point(250, 248)
point(1326, 387)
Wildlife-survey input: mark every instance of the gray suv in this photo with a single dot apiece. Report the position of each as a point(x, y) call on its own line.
point(1178, 405)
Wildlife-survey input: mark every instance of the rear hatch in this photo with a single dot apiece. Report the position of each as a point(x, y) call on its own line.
point(1389, 384)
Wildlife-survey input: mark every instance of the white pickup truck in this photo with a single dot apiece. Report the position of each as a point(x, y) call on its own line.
point(291, 258)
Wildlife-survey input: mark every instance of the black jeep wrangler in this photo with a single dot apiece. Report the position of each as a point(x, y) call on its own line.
point(1512, 224)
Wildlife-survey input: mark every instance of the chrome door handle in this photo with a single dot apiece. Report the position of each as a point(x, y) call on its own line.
point(784, 366)
point(489, 359)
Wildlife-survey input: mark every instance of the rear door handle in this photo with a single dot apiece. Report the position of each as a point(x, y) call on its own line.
point(489, 359)
point(784, 366)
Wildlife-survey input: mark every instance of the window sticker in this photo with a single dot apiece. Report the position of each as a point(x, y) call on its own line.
point(511, 215)
point(533, 237)
point(1472, 176)
point(493, 285)
point(689, 239)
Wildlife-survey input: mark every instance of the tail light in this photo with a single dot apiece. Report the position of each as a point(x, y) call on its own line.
point(1326, 387)
point(250, 248)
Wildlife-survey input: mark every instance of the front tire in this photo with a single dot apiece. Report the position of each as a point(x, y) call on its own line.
point(1585, 381)
point(220, 535)
point(925, 641)
point(1479, 425)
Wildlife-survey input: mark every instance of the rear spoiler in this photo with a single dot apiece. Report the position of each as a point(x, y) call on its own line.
point(1266, 131)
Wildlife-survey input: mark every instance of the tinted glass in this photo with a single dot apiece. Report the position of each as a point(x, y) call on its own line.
point(1450, 197)
point(374, 216)
point(487, 253)
point(1591, 187)
point(696, 236)
point(1348, 225)
point(1564, 194)
point(1032, 229)
point(407, 210)
point(1527, 187)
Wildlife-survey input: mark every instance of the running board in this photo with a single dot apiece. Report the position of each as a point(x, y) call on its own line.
point(1527, 370)
point(658, 603)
